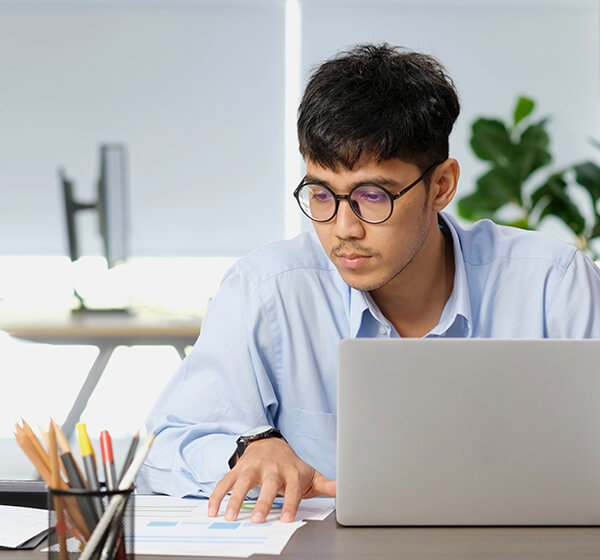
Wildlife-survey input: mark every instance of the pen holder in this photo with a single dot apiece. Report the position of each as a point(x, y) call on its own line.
point(73, 515)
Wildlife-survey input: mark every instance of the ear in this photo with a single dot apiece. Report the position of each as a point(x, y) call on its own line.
point(443, 184)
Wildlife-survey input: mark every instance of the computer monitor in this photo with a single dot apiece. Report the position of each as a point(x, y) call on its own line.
point(113, 203)
point(111, 206)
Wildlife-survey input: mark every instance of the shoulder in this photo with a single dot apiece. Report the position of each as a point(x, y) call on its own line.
point(485, 243)
point(301, 256)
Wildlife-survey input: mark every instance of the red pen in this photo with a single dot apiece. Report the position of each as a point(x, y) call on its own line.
point(108, 460)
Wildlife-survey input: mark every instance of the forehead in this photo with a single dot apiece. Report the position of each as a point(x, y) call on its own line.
point(368, 170)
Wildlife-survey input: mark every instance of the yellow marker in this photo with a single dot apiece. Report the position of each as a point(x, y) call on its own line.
point(85, 445)
point(89, 462)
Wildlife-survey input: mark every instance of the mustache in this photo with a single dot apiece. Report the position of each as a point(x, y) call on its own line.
point(352, 247)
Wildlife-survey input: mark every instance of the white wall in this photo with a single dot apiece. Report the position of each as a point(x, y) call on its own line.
point(193, 88)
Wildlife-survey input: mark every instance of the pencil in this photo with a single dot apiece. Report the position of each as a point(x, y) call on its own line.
point(114, 547)
point(39, 459)
point(61, 527)
point(31, 446)
point(36, 444)
point(73, 475)
point(116, 503)
point(65, 448)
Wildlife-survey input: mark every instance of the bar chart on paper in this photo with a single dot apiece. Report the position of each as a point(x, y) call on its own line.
point(211, 538)
point(176, 526)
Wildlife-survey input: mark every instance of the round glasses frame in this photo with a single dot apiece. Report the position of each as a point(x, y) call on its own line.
point(348, 197)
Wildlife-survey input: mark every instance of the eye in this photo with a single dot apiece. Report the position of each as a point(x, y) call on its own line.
point(318, 194)
point(370, 195)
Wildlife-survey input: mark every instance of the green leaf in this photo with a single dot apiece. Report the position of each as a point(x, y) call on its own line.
point(595, 231)
point(531, 152)
point(555, 201)
point(524, 108)
point(536, 136)
point(491, 141)
point(494, 189)
point(521, 223)
point(553, 182)
point(588, 176)
point(500, 184)
point(478, 205)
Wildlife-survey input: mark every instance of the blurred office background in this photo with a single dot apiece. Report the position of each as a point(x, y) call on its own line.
point(203, 93)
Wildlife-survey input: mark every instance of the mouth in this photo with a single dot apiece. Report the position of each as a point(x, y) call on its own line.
point(353, 260)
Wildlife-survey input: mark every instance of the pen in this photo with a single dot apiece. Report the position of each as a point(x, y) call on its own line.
point(107, 460)
point(130, 454)
point(114, 546)
point(89, 463)
point(113, 541)
point(116, 504)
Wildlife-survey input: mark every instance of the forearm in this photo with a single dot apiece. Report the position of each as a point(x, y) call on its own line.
point(186, 463)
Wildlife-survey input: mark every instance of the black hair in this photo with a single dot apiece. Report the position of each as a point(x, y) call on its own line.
point(377, 101)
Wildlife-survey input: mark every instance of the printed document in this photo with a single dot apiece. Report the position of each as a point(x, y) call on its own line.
point(181, 526)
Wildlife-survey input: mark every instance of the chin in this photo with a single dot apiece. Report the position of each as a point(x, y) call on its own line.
point(363, 284)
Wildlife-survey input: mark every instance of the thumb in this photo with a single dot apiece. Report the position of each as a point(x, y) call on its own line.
point(322, 486)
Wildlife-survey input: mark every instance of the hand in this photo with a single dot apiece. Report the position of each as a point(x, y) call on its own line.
point(272, 465)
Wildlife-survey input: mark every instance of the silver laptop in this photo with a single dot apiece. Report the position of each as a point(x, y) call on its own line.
point(468, 432)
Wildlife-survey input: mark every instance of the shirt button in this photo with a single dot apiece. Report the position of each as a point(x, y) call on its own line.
point(382, 330)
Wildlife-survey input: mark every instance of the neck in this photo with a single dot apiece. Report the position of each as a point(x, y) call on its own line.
point(414, 299)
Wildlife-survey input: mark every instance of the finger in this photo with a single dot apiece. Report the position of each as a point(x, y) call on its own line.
point(238, 495)
point(291, 500)
point(268, 492)
point(217, 495)
point(321, 486)
point(326, 487)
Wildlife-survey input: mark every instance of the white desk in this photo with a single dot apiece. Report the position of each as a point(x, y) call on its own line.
point(106, 331)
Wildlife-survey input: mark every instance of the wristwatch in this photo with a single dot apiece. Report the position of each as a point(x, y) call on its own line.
point(264, 432)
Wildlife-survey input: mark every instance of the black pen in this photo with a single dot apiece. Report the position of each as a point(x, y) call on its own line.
point(130, 454)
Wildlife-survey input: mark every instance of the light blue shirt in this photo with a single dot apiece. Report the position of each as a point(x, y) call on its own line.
point(268, 349)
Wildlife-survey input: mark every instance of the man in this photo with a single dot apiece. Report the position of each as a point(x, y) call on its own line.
point(254, 404)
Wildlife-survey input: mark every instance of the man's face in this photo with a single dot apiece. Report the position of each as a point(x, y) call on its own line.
point(370, 256)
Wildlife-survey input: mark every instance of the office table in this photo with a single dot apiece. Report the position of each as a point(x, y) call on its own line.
point(105, 331)
point(325, 540)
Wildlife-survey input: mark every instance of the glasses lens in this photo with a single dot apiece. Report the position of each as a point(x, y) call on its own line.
point(371, 203)
point(316, 202)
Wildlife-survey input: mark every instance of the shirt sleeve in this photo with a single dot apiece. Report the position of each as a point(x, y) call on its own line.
point(223, 388)
point(574, 311)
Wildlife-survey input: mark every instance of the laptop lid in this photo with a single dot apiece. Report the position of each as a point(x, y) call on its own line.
point(468, 432)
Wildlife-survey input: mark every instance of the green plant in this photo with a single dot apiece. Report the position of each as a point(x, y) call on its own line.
point(507, 193)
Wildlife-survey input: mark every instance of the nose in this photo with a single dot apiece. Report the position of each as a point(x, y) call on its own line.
point(347, 225)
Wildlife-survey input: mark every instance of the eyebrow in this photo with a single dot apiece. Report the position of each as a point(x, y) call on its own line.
point(375, 180)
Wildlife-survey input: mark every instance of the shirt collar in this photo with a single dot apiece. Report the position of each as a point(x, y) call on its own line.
point(456, 315)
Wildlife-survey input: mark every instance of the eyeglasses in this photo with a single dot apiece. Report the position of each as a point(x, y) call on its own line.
point(370, 202)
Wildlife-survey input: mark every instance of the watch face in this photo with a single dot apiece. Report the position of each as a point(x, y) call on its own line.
point(256, 431)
